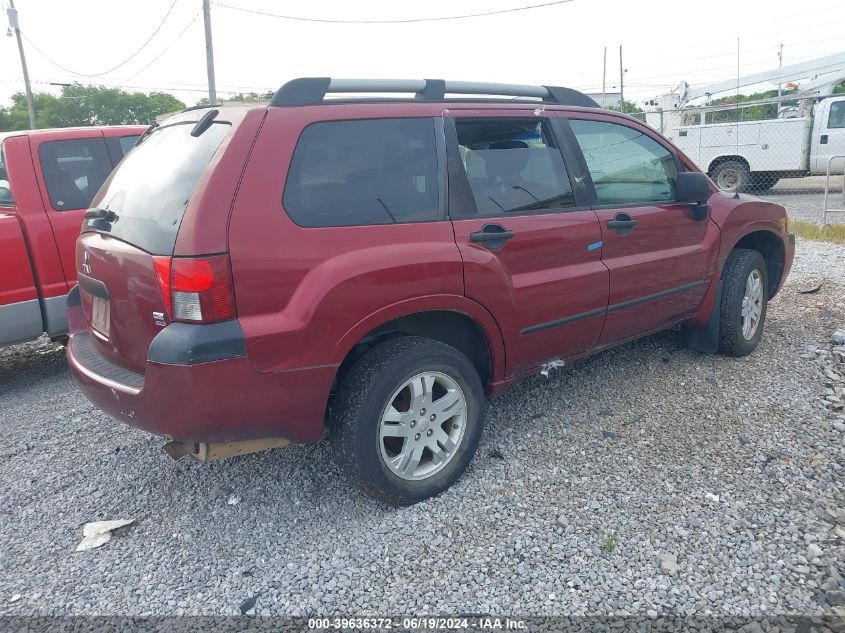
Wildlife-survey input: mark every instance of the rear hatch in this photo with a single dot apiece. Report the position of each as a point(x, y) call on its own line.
point(125, 252)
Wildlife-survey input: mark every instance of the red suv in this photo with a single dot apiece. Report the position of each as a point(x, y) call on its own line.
point(381, 265)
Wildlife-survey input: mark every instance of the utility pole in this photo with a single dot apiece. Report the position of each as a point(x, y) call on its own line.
point(621, 78)
point(780, 65)
point(14, 25)
point(604, 79)
point(209, 52)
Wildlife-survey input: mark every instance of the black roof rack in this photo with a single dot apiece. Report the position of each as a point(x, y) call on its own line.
point(313, 90)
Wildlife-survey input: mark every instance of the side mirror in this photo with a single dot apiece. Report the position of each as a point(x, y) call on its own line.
point(693, 187)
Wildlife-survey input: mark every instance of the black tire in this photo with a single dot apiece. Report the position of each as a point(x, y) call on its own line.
point(739, 267)
point(362, 397)
point(731, 176)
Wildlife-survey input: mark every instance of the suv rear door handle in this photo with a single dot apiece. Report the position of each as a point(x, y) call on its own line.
point(622, 223)
point(493, 236)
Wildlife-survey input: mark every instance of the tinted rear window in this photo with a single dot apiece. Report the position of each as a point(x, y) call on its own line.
point(151, 188)
point(513, 166)
point(375, 171)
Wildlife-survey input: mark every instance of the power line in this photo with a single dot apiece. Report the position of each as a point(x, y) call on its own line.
point(171, 87)
point(165, 49)
point(403, 21)
point(113, 68)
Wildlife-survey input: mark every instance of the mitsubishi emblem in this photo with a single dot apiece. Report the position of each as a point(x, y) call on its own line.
point(86, 267)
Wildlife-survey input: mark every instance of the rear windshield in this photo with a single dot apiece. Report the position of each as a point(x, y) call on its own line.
point(151, 188)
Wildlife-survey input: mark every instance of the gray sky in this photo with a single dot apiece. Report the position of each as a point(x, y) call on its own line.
point(664, 42)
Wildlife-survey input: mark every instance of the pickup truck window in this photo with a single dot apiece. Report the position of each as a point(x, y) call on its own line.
point(151, 188)
point(836, 119)
point(128, 142)
point(74, 170)
point(513, 166)
point(5, 189)
point(626, 165)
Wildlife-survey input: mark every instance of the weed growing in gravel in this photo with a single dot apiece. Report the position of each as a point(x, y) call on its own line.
point(831, 233)
point(609, 542)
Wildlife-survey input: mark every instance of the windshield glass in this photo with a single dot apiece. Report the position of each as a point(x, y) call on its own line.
point(151, 188)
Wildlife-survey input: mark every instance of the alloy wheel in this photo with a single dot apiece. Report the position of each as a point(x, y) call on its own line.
point(752, 304)
point(422, 426)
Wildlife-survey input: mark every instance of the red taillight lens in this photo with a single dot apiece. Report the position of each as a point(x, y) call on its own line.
point(196, 289)
point(162, 268)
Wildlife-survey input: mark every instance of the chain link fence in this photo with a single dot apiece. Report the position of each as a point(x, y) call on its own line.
point(789, 150)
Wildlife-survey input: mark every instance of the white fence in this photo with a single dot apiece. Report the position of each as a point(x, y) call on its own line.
point(779, 149)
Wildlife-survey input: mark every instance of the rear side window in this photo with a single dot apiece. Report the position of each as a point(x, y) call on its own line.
point(513, 166)
point(74, 171)
point(626, 165)
point(151, 188)
point(374, 171)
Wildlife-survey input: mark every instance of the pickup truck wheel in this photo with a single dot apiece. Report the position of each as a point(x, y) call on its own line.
point(731, 176)
point(408, 418)
point(744, 302)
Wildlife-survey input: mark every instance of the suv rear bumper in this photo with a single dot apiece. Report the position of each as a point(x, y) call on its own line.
point(202, 400)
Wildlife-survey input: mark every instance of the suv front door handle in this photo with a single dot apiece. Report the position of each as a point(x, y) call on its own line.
point(493, 236)
point(622, 223)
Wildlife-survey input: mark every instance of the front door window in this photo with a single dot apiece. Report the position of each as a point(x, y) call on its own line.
point(627, 166)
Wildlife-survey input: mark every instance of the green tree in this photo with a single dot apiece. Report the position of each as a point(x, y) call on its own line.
point(627, 107)
point(80, 105)
point(252, 96)
point(752, 113)
point(242, 96)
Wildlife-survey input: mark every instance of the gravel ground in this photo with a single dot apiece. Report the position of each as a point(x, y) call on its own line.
point(809, 208)
point(646, 480)
point(803, 198)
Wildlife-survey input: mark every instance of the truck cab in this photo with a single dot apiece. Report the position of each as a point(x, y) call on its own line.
point(828, 138)
point(47, 181)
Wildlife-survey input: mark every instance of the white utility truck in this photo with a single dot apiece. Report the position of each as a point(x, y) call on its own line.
point(805, 133)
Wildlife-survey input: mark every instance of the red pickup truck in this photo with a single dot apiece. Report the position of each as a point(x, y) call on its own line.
point(47, 181)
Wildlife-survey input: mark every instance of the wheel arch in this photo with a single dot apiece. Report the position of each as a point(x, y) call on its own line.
point(770, 245)
point(724, 159)
point(463, 324)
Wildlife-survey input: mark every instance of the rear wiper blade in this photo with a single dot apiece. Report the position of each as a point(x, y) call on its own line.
point(204, 123)
point(95, 213)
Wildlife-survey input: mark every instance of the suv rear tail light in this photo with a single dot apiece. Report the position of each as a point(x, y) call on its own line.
point(196, 289)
